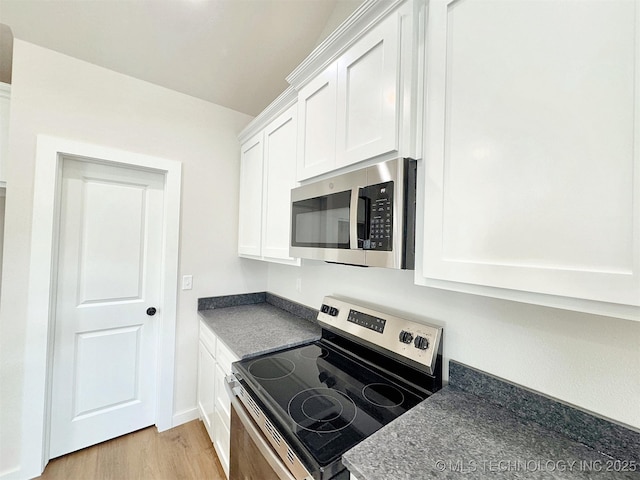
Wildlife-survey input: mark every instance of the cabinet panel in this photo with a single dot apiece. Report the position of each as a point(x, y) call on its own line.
point(206, 387)
point(280, 177)
point(213, 400)
point(222, 403)
point(250, 211)
point(208, 339)
point(317, 125)
point(367, 98)
point(532, 139)
point(221, 442)
point(364, 106)
point(224, 358)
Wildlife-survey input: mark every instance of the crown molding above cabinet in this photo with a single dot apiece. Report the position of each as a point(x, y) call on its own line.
point(285, 100)
point(350, 31)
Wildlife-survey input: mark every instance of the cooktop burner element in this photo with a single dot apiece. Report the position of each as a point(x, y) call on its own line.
point(326, 396)
point(313, 352)
point(322, 410)
point(272, 368)
point(383, 395)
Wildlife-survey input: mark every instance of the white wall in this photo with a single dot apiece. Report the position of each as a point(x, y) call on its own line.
point(585, 360)
point(57, 95)
point(2, 207)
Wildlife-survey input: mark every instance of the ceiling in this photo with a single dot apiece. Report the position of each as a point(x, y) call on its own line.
point(235, 53)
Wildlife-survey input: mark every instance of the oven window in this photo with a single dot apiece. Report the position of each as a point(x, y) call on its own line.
point(322, 221)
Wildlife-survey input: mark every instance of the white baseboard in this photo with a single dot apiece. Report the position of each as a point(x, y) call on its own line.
point(13, 474)
point(184, 417)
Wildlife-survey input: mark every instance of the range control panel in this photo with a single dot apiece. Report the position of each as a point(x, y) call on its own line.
point(415, 341)
point(367, 321)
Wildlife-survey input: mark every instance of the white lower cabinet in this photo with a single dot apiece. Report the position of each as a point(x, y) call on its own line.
point(206, 386)
point(214, 364)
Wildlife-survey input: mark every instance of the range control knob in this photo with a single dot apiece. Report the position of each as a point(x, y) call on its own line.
point(405, 337)
point(421, 343)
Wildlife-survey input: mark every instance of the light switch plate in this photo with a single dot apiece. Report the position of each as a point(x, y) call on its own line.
point(187, 282)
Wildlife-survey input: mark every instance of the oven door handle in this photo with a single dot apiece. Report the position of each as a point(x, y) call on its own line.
point(232, 385)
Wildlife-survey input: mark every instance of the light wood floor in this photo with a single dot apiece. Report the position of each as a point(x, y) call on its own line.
point(184, 452)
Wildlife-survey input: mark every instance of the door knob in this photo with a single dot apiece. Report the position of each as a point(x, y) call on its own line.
point(151, 311)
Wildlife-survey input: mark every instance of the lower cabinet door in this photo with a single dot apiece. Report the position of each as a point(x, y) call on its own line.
point(206, 388)
point(221, 441)
point(222, 403)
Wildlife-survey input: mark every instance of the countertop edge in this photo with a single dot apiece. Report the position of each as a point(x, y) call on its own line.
point(234, 326)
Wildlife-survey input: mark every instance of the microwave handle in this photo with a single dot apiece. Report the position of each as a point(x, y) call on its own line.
point(353, 218)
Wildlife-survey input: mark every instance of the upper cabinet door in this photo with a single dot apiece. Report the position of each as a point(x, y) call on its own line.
point(365, 104)
point(250, 215)
point(317, 125)
point(367, 101)
point(532, 147)
point(279, 179)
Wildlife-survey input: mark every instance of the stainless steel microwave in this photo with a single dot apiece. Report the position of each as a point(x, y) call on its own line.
point(365, 217)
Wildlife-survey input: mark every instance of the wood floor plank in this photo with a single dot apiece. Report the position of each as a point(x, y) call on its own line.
point(182, 453)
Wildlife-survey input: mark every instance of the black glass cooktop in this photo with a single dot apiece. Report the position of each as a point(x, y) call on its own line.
point(323, 399)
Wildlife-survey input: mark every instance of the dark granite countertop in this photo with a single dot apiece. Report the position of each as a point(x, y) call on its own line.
point(458, 434)
point(253, 329)
point(478, 427)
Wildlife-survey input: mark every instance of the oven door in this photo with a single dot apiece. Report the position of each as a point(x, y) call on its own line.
point(249, 442)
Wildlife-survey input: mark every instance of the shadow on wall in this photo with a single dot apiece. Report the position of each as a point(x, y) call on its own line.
point(6, 53)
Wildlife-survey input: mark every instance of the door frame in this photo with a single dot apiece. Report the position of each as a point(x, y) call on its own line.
point(50, 153)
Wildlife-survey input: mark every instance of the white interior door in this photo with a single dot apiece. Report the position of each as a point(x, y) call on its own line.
point(109, 274)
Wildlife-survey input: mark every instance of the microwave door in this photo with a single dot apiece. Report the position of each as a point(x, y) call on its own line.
point(322, 222)
point(326, 228)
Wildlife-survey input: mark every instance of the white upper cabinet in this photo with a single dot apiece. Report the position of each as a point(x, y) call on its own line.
point(5, 99)
point(363, 104)
point(532, 144)
point(250, 219)
point(279, 179)
point(367, 100)
point(317, 125)
point(267, 175)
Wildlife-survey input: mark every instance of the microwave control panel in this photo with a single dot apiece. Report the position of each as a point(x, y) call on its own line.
point(379, 205)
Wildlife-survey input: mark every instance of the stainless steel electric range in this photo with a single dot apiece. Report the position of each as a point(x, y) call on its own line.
point(296, 411)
